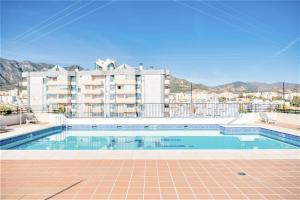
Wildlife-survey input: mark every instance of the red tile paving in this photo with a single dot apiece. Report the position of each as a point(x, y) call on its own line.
point(150, 179)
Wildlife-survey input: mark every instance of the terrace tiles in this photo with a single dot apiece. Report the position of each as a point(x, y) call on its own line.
point(150, 179)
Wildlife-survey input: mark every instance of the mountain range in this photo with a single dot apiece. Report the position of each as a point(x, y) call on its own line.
point(11, 75)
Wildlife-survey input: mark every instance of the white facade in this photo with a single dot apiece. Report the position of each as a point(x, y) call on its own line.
point(107, 90)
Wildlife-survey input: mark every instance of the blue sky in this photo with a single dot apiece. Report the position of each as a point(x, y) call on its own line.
point(210, 42)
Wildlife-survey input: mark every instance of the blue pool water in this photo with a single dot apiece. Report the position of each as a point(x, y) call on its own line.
point(150, 140)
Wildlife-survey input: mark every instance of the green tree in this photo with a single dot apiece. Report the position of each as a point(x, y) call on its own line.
point(296, 101)
point(222, 99)
point(5, 110)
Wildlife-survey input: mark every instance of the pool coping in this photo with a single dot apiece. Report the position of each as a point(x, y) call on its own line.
point(148, 154)
point(25, 130)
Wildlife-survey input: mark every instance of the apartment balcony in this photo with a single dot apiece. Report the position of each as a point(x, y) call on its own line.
point(58, 91)
point(167, 91)
point(126, 100)
point(93, 91)
point(58, 82)
point(59, 100)
point(93, 100)
point(126, 110)
point(92, 82)
point(24, 83)
point(125, 81)
point(167, 82)
point(126, 91)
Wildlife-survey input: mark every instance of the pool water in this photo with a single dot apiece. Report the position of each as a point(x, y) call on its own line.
point(151, 140)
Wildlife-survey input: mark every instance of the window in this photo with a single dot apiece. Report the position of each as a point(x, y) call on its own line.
point(119, 87)
point(96, 96)
point(52, 78)
point(62, 96)
point(138, 77)
point(110, 66)
point(51, 96)
point(138, 96)
point(72, 78)
point(112, 78)
point(130, 96)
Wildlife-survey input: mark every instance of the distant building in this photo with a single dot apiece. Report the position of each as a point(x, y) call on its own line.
point(106, 91)
point(10, 97)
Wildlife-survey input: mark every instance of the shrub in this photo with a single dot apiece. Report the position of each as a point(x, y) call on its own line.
point(296, 101)
point(5, 110)
point(61, 109)
point(222, 99)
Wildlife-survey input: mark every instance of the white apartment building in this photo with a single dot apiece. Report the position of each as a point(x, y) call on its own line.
point(108, 90)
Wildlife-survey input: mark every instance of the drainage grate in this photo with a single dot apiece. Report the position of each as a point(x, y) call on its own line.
point(241, 173)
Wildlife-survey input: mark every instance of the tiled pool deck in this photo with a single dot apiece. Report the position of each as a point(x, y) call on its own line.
point(150, 179)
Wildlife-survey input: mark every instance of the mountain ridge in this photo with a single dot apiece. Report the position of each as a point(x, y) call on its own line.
point(11, 74)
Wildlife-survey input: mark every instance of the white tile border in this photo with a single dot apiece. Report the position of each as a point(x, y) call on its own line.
point(23, 129)
point(148, 154)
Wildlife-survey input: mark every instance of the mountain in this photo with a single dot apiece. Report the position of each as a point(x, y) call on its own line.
point(11, 71)
point(181, 85)
point(239, 86)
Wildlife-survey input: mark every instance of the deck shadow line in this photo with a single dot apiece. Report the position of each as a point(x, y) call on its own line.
point(63, 190)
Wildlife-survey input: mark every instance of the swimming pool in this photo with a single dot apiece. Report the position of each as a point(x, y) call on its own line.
point(151, 137)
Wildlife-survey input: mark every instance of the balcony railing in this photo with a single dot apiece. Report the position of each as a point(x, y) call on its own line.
point(93, 100)
point(125, 81)
point(92, 82)
point(58, 91)
point(59, 82)
point(153, 110)
point(126, 91)
point(93, 91)
point(131, 100)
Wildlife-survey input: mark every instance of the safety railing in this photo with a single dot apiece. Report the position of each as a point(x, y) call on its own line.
point(156, 110)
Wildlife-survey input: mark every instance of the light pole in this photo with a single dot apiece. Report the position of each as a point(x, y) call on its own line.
point(191, 97)
point(191, 93)
point(283, 99)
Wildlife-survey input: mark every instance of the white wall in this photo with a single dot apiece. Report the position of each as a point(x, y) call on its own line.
point(285, 118)
point(153, 93)
point(288, 118)
point(36, 93)
point(154, 89)
point(12, 119)
point(246, 118)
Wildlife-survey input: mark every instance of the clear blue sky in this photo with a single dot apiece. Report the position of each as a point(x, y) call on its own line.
point(210, 42)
